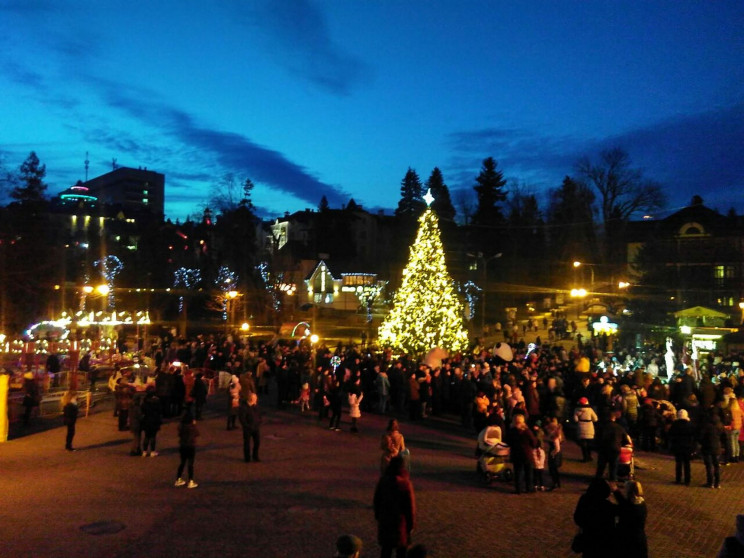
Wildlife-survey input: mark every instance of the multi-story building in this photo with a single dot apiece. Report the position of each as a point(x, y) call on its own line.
point(138, 190)
point(694, 257)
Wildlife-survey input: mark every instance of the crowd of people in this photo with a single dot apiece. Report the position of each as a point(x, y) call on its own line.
point(531, 401)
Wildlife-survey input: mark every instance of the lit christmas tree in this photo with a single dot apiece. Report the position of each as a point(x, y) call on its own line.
point(426, 310)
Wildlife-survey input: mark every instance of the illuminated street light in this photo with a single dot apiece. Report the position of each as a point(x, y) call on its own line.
point(245, 326)
point(578, 264)
point(578, 293)
point(623, 285)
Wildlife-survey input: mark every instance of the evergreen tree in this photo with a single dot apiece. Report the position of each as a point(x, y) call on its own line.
point(31, 185)
point(323, 205)
point(442, 203)
point(526, 252)
point(426, 311)
point(411, 201)
point(571, 222)
point(247, 201)
point(491, 194)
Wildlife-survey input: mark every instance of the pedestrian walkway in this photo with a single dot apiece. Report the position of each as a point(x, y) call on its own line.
point(312, 485)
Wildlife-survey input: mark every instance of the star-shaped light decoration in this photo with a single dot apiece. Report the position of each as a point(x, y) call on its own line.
point(428, 198)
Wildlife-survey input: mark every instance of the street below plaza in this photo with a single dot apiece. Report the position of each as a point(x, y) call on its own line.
point(311, 486)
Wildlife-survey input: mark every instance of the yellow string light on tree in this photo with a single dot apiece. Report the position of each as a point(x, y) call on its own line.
point(426, 311)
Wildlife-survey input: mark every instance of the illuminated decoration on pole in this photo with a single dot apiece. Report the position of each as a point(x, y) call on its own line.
point(426, 311)
point(367, 294)
point(275, 284)
point(187, 278)
point(226, 282)
point(110, 267)
point(472, 295)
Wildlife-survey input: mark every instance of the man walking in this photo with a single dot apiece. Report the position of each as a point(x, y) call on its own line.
point(250, 419)
point(682, 443)
point(611, 439)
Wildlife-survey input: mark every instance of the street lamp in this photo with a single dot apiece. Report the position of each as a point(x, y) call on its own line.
point(101, 290)
point(578, 293)
point(578, 264)
point(229, 298)
point(741, 306)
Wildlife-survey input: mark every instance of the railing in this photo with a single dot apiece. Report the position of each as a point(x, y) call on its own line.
point(50, 404)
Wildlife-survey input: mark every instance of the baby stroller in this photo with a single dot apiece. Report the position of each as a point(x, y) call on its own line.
point(625, 464)
point(493, 463)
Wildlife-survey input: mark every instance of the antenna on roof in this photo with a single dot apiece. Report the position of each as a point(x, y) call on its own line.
point(87, 162)
point(113, 163)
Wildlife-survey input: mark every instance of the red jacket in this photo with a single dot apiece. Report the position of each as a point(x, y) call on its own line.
point(395, 510)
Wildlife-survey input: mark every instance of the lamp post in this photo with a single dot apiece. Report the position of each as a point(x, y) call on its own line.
point(578, 264)
point(229, 303)
point(578, 294)
point(485, 287)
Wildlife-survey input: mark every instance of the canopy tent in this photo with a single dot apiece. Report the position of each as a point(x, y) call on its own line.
point(700, 312)
point(701, 316)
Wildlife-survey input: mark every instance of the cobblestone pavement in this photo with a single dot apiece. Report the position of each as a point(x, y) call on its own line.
point(312, 485)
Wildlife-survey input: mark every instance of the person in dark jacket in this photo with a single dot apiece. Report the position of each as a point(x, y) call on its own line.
point(682, 444)
point(124, 396)
point(150, 421)
point(710, 449)
point(522, 441)
point(395, 509)
point(187, 434)
point(31, 397)
point(595, 515)
point(69, 416)
point(335, 397)
point(631, 522)
point(135, 424)
point(649, 422)
point(199, 393)
point(163, 389)
point(250, 419)
point(612, 437)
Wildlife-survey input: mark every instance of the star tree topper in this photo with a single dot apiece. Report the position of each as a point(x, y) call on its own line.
point(428, 198)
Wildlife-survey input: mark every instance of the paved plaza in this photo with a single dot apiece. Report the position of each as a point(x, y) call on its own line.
point(311, 485)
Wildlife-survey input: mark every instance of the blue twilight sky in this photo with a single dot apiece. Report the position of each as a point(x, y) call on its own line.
point(339, 98)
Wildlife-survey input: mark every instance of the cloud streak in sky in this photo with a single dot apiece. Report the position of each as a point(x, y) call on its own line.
point(687, 155)
point(299, 40)
point(233, 152)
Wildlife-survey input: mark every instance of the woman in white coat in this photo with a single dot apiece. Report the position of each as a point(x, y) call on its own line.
point(586, 417)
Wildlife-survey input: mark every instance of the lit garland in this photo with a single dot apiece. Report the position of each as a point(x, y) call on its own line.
point(472, 295)
point(269, 283)
point(226, 281)
point(368, 294)
point(110, 266)
point(188, 278)
point(426, 311)
point(275, 284)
